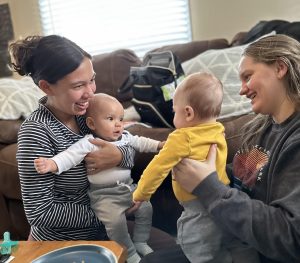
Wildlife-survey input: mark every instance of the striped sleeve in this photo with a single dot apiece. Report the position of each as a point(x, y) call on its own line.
point(128, 154)
point(51, 201)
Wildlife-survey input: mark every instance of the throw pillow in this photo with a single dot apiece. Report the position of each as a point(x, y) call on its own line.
point(18, 98)
point(223, 63)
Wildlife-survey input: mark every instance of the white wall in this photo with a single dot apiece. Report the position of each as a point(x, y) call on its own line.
point(210, 18)
point(25, 18)
point(224, 18)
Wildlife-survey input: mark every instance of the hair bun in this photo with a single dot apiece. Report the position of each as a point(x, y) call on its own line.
point(22, 54)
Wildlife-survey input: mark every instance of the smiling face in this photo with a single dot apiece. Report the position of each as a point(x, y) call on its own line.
point(264, 85)
point(105, 117)
point(69, 96)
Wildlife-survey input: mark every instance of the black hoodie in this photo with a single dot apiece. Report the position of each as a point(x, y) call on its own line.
point(263, 207)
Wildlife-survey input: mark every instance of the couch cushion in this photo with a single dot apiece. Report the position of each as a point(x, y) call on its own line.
point(9, 130)
point(191, 49)
point(113, 69)
point(9, 173)
point(233, 133)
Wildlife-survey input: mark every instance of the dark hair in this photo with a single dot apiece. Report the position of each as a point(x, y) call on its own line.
point(46, 57)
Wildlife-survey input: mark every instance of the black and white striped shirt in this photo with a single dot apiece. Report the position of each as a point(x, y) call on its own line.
point(57, 206)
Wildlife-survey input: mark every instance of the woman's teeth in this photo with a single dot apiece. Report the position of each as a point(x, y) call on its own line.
point(82, 104)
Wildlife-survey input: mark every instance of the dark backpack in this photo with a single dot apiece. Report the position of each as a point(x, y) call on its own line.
point(153, 85)
point(280, 26)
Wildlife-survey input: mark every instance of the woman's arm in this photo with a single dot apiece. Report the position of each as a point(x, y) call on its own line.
point(273, 229)
point(45, 204)
point(108, 156)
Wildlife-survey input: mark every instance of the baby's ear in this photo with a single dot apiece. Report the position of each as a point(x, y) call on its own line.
point(90, 123)
point(189, 113)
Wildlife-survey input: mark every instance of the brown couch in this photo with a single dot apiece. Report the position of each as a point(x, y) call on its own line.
point(112, 70)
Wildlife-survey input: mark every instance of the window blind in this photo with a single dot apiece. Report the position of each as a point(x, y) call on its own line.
point(101, 26)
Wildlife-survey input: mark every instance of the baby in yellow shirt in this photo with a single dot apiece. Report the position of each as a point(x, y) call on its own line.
point(196, 104)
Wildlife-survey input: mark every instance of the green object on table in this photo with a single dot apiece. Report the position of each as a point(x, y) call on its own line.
point(7, 244)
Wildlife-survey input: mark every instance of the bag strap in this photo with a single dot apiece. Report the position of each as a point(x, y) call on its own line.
point(162, 119)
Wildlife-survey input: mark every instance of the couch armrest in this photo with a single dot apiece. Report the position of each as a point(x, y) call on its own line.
point(9, 173)
point(191, 49)
point(9, 130)
point(13, 217)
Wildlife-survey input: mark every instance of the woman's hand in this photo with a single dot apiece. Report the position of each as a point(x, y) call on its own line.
point(108, 156)
point(190, 173)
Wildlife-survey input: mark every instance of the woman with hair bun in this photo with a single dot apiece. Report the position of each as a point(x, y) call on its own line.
point(57, 206)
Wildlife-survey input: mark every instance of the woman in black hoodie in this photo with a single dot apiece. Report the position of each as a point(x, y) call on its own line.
point(261, 209)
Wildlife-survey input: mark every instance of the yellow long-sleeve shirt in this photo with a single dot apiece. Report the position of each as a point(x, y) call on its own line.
point(191, 142)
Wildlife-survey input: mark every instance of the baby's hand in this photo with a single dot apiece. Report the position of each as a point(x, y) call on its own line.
point(44, 165)
point(135, 206)
point(161, 145)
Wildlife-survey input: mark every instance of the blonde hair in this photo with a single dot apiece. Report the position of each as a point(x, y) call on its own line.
point(204, 93)
point(269, 50)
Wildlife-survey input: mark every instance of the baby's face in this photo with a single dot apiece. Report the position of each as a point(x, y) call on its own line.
point(109, 121)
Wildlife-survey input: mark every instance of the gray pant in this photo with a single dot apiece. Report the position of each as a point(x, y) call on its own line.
point(199, 236)
point(110, 204)
point(242, 253)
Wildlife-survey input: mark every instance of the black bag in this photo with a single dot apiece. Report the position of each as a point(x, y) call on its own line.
point(153, 85)
point(280, 26)
point(262, 28)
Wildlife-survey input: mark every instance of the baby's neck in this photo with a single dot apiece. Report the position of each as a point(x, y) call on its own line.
point(198, 121)
point(110, 140)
